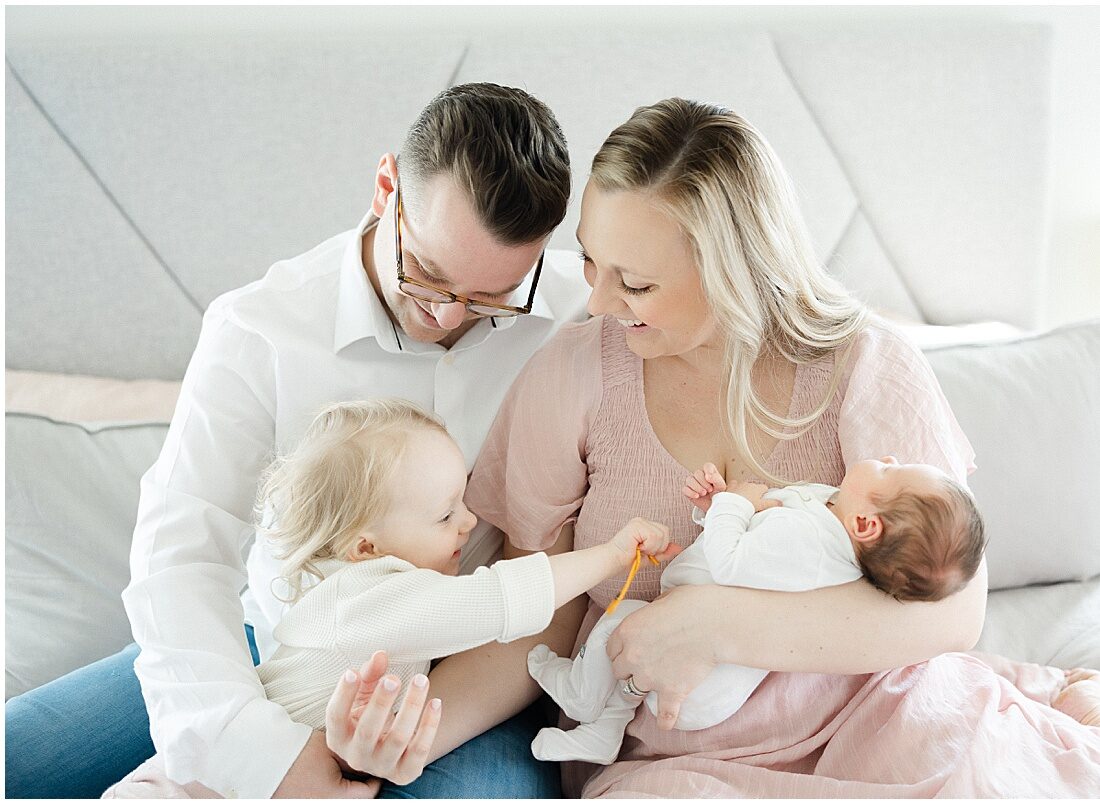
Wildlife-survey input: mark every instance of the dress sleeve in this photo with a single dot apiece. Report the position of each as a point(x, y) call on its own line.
point(532, 474)
point(893, 405)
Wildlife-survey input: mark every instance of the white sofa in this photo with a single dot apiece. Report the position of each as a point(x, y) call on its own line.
point(151, 167)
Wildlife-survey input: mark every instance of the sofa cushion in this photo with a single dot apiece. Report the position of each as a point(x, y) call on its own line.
point(71, 494)
point(77, 398)
point(1031, 408)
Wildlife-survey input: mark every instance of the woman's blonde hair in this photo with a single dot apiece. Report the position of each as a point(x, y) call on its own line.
point(714, 174)
point(314, 502)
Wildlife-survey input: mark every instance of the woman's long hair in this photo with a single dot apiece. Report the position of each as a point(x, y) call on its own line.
point(716, 176)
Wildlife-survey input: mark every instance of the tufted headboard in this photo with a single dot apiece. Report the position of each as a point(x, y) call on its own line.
point(148, 174)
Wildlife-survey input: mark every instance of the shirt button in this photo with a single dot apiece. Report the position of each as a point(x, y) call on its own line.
point(449, 360)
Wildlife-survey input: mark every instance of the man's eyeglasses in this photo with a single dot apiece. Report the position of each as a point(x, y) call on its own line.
point(429, 293)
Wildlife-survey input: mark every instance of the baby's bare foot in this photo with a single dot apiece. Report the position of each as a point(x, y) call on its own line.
point(1081, 697)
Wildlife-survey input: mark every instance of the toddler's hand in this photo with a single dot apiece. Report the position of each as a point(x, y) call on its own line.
point(703, 484)
point(652, 537)
point(754, 493)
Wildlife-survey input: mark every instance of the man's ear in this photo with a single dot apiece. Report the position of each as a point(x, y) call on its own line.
point(866, 529)
point(385, 179)
point(362, 549)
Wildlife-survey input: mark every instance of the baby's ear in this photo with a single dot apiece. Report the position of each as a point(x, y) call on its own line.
point(362, 549)
point(866, 529)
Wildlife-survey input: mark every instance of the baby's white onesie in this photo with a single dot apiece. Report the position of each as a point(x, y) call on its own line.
point(797, 547)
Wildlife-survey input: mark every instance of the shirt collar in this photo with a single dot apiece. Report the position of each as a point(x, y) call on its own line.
point(360, 313)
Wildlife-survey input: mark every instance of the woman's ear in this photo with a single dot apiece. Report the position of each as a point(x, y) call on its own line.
point(866, 529)
point(385, 180)
point(362, 549)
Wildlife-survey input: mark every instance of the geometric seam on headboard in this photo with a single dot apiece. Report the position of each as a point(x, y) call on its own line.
point(859, 208)
point(112, 200)
point(458, 66)
point(847, 177)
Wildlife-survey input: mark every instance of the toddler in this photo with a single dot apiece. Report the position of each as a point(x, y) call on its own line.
point(367, 516)
point(910, 529)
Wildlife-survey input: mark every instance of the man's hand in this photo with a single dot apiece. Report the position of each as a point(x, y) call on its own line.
point(703, 484)
point(366, 736)
point(316, 773)
point(754, 493)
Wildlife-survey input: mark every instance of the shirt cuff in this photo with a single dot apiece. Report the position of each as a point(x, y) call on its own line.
point(726, 502)
point(253, 754)
point(528, 587)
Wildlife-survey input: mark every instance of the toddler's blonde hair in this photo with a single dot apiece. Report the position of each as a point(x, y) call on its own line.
point(314, 502)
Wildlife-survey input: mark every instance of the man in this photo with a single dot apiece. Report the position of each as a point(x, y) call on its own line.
point(432, 298)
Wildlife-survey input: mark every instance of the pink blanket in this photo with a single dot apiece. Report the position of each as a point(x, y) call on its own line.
point(958, 726)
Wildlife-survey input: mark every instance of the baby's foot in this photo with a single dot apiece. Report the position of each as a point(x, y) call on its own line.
point(554, 674)
point(1080, 699)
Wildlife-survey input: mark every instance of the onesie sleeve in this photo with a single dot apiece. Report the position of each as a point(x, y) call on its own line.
point(780, 549)
point(532, 474)
point(893, 405)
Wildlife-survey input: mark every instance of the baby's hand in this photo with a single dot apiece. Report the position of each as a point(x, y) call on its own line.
point(652, 537)
point(754, 493)
point(701, 486)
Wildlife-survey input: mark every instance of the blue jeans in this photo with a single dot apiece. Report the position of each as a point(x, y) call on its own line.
point(79, 734)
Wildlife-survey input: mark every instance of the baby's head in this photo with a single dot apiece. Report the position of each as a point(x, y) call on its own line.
point(367, 479)
point(916, 532)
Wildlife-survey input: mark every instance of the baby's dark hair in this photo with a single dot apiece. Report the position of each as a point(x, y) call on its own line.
point(931, 545)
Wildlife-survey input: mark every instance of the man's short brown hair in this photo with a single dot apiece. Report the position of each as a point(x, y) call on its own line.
point(931, 545)
point(504, 148)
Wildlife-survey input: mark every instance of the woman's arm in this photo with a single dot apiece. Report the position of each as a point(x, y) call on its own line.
point(483, 687)
point(848, 629)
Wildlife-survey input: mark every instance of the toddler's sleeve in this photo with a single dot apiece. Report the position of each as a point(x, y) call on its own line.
point(893, 405)
point(531, 475)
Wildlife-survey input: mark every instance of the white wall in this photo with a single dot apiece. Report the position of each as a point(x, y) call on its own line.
point(1074, 252)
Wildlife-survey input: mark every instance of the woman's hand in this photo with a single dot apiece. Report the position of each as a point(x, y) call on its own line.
point(369, 739)
point(655, 646)
point(754, 493)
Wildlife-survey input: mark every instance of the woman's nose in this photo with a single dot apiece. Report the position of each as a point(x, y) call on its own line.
point(449, 316)
point(601, 299)
point(889, 459)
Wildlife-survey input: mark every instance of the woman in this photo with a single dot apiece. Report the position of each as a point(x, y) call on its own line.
point(718, 338)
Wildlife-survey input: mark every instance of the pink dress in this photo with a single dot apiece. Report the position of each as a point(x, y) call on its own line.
point(573, 443)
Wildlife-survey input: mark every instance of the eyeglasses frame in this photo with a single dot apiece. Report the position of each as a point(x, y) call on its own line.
point(402, 279)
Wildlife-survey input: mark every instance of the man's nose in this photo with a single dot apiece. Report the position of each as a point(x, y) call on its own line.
point(449, 316)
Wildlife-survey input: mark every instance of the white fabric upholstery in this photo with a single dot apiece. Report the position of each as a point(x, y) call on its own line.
point(68, 542)
point(1029, 407)
point(148, 173)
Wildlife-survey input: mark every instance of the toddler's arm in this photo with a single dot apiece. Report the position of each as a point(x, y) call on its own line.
point(421, 614)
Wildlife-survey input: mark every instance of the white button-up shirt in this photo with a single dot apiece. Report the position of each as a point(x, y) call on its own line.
point(269, 357)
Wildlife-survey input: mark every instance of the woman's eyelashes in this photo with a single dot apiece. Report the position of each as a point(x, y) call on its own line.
point(625, 287)
point(633, 291)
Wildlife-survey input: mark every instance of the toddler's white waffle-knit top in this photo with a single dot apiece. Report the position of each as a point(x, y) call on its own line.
point(414, 614)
